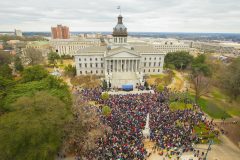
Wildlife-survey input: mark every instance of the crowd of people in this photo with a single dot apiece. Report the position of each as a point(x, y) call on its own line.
point(169, 130)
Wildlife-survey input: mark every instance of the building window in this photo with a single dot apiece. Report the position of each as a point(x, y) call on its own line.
point(159, 63)
point(153, 70)
point(91, 65)
point(80, 65)
point(79, 59)
point(158, 70)
point(159, 58)
point(102, 71)
point(144, 70)
point(150, 58)
point(145, 58)
point(154, 64)
point(95, 59)
point(96, 71)
point(84, 59)
point(155, 58)
point(149, 64)
point(80, 72)
point(91, 72)
point(86, 65)
point(101, 59)
point(101, 64)
point(90, 59)
point(96, 65)
point(86, 72)
point(149, 70)
point(144, 64)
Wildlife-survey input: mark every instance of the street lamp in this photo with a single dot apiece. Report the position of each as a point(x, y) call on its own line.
point(209, 148)
point(108, 80)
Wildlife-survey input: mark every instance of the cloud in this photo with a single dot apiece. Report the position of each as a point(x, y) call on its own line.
point(139, 15)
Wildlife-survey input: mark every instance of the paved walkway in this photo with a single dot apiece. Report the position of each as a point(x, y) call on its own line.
point(224, 151)
point(178, 83)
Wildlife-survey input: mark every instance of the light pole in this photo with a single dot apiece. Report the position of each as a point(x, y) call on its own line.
point(209, 148)
point(108, 80)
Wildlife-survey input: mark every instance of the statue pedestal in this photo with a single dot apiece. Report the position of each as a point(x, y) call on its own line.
point(146, 131)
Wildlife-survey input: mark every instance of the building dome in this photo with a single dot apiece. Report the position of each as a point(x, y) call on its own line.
point(120, 30)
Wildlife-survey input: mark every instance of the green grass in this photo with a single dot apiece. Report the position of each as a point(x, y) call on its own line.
point(213, 109)
point(218, 97)
point(179, 106)
point(157, 76)
point(218, 94)
point(202, 131)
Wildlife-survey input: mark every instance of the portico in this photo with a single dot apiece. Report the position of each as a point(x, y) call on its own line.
point(123, 65)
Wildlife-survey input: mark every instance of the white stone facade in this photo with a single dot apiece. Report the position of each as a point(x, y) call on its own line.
point(171, 46)
point(70, 46)
point(93, 64)
point(120, 62)
point(105, 61)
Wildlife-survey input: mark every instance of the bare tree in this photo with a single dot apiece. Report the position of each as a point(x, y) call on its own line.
point(84, 130)
point(201, 85)
point(33, 56)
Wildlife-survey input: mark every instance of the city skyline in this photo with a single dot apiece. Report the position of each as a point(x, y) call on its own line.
point(205, 16)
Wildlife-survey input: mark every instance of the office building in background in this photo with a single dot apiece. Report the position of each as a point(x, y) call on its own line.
point(60, 32)
point(18, 33)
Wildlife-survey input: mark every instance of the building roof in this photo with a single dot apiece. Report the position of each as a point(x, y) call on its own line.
point(107, 49)
point(122, 49)
point(38, 43)
point(92, 50)
point(145, 49)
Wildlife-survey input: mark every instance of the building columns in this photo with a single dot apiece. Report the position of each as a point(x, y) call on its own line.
point(132, 65)
point(125, 65)
point(135, 65)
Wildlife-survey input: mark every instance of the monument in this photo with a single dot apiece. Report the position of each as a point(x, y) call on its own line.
point(146, 131)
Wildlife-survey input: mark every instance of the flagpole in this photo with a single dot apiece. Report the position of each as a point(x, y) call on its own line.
point(119, 7)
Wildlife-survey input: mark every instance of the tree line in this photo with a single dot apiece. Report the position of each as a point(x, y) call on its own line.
point(34, 109)
point(204, 73)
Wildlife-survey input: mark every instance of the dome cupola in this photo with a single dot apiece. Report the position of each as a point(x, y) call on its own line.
point(120, 30)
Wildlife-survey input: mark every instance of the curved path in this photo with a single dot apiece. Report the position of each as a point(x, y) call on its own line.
point(178, 83)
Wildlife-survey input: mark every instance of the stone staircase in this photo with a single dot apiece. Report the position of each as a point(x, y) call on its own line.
point(120, 78)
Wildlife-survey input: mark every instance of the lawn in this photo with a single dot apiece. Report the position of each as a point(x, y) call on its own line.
point(179, 106)
point(216, 104)
point(223, 101)
point(152, 78)
point(212, 108)
point(157, 76)
point(217, 94)
point(178, 82)
point(163, 79)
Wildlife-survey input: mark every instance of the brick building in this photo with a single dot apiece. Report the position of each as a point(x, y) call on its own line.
point(60, 32)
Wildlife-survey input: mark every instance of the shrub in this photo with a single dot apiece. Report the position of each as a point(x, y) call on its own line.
point(105, 96)
point(106, 111)
point(160, 88)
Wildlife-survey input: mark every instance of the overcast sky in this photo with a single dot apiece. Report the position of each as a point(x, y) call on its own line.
point(139, 15)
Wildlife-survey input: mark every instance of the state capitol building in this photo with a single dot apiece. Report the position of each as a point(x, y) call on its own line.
point(120, 62)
